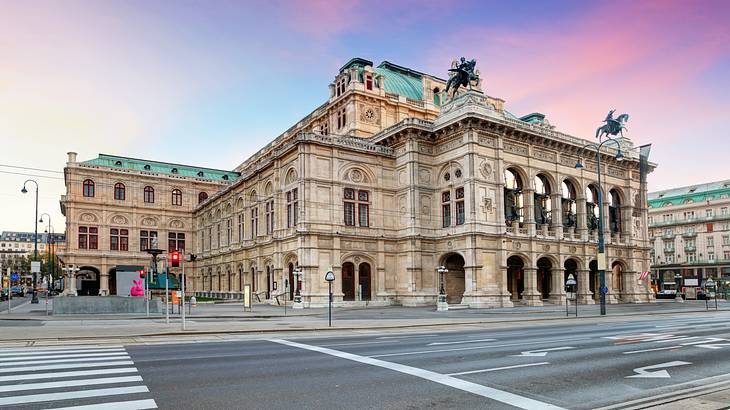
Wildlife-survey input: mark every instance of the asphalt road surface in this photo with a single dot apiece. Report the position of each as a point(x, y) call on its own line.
point(616, 363)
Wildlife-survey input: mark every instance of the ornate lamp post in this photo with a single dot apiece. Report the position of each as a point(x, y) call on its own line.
point(70, 287)
point(34, 297)
point(442, 304)
point(612, 127)
point(297, 287)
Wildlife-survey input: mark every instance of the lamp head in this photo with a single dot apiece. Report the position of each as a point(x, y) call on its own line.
point(578, 165)
point(41, 220)
point(25, 191)
point(619, 156)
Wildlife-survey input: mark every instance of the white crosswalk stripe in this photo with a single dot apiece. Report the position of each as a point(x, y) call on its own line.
point(47, 376)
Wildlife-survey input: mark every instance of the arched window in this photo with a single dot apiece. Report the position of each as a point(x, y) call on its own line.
point(592, 210)
point(568, 202)
point(436, 96)
point(149, 195)
point(513, 198)
point(88, 188)
point(543, 207)
point(176, 197)
point(614, 212)
point(119, 191)
point(202, 196)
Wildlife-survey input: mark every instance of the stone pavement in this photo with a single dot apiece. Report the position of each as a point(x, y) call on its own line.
point(30, 323)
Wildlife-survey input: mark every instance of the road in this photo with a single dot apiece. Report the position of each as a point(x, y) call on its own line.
point(14, 302)
point(583, 364)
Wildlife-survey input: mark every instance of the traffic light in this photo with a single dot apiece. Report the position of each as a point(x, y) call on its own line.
point(141, 273)
point(175, 259)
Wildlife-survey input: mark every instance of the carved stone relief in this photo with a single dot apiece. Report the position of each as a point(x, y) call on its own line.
point(424, 176)
point(147, 221)
point(177, 224)
point(486, 169)
point(88, 218)
point(119, 220)
point(515, 148)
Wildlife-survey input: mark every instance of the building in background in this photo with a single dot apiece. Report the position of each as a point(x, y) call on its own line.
point(689, 229)
point(16, 248)
point(115, 206)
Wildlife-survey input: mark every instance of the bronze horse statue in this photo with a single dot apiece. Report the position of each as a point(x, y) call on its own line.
point(464, 75)
point(612, 126)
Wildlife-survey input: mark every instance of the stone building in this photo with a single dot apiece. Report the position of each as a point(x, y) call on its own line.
point(391, 178)
point(114, 206)
point(689, 229)
point(15, 246)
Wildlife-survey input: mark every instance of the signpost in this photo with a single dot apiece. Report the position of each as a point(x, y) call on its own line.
point(570, 283)
point(10, 283)
point(247, 298)
point(329, 277)
point(710, 284)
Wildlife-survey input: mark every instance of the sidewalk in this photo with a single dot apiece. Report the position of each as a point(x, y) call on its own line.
point(29, 322)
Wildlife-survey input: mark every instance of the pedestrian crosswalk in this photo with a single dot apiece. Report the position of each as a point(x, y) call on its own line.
point(72, 377)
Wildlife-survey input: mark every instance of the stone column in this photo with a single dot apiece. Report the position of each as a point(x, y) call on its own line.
point(529, 210)
point(531, 296)
point(585, 296)
point(581, 223)
point(612, 296)
point(557, 214)
point(557, 286)
point(104, 284)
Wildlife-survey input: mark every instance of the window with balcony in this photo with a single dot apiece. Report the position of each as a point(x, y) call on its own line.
point(118, 239)
point(691, 257)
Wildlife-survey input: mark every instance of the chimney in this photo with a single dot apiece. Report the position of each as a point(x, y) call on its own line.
point(72, 157)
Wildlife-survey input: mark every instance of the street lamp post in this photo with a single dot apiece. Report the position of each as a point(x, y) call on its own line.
point(601, 241)
point(442, 305)
point(34, 297)
point(678, 281)
point(154, 251)
point(49, 254)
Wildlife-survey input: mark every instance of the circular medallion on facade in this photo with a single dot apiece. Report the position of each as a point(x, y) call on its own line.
point(620, 252)
point(486, 169)
point(450, 244)
point(517, 245)
point(356, 175)
point(369, 114)
point(546, 248)
point(573, 249)
point(356, 259)
point(88, 218)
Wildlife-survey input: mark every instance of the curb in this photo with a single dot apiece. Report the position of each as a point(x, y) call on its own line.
point(322, 329)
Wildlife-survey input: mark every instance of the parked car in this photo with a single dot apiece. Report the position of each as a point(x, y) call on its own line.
point(18, 290)
point(669, 291)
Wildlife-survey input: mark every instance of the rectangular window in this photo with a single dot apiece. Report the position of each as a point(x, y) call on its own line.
point(118, 239)
point(292, 208)
point(709, 228)
point(691, 257)
point(218, 236)
point(269, 216)
point(460, 214)
point(254, 222)
point(240, 228)
point(726, 239)
point(146, 239)
point(349, 206)
point(229, 231)
point(726, 255)
point(723, 211)
point(710, 242)
point(708, 213)
point(210, 238)
point(446, 208)
point(711, 256)
point(364, 214)
point(368, 82)
point(361, 203)
point(176, 241)
point(83, 237)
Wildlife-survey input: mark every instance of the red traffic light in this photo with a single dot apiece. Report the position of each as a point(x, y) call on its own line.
point(141, 273)
point(175, 259)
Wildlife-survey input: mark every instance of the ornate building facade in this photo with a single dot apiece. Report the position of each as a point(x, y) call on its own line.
point(114, 207)
point(391, 178)
point(387, 180)
point(689, 228)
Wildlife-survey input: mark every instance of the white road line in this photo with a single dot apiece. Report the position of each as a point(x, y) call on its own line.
point(69, 383)
point(66, 366)
point(55, 375)
point(48, 348)
point(677, 339)
point(117, 405)
point(653, 350)
point(461, 341)
point(359, 343)
point(409, 335)
point(78, 394)
point(116, 356)
point(494, 369)
point(484, 391)
point(38, 352)
point(67, 356)
point(456, 349)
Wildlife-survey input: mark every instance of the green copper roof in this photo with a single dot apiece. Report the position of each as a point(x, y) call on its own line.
point(693, 193)
point(402, 81)
point(136, 164)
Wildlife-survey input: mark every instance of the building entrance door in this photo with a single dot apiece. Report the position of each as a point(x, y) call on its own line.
point(364, 280)
point(348, 281)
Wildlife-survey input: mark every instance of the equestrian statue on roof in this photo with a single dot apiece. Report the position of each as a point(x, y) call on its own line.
point(463, 75)
point(612, 126)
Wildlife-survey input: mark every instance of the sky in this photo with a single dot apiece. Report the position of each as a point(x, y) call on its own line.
point(208, 83)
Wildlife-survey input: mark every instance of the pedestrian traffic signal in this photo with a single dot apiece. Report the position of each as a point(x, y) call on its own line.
point(175, 259)
point(141, 273)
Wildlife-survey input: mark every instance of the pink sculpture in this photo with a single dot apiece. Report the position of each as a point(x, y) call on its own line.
point(137, 289)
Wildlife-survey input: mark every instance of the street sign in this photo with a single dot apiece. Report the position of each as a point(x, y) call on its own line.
point(571, 280)
point(330, 276)
point(35, 267)
point(14, 277)
point(604, 290)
